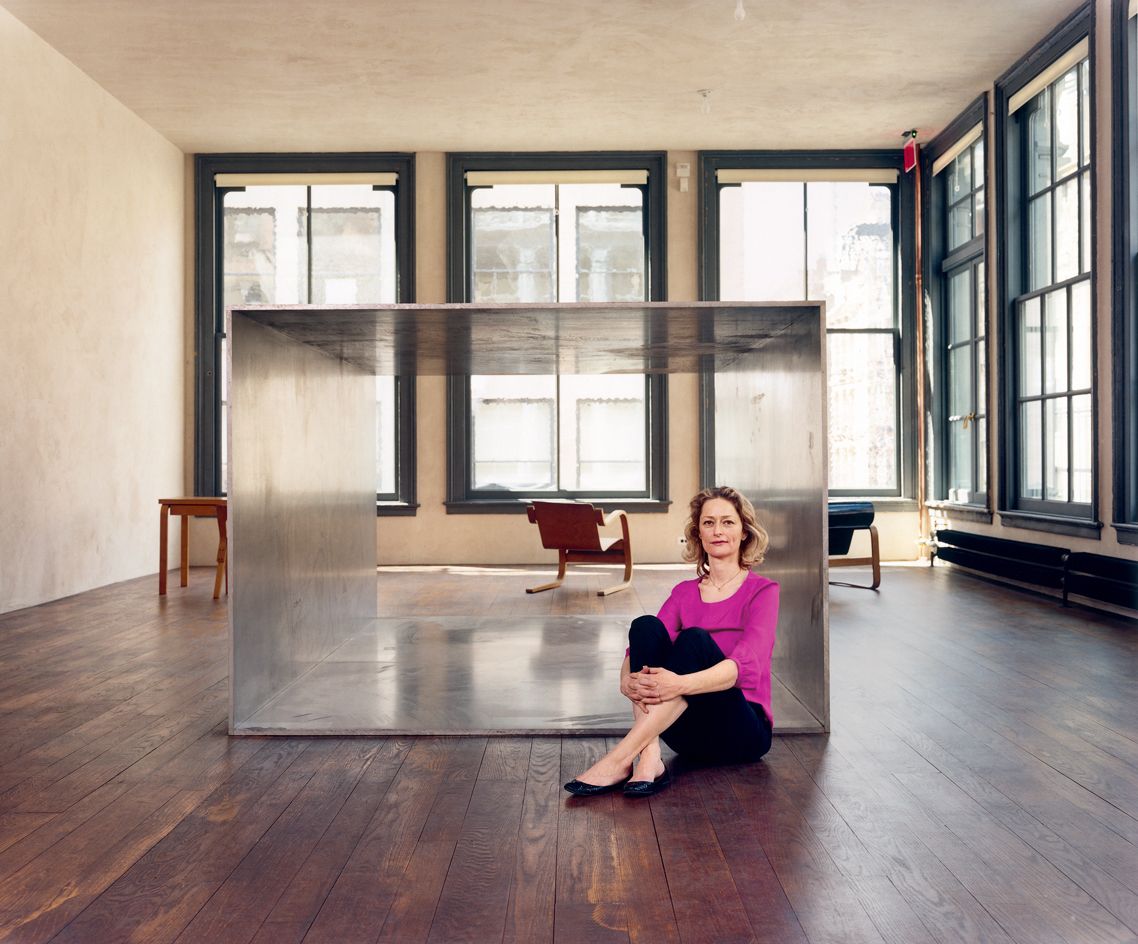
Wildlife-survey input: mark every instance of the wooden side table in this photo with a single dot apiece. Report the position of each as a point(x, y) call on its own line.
point(198, 508)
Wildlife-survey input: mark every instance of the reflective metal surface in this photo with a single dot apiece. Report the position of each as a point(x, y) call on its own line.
point(649, 337)
point(770, 443)
point(301, 510)
point(451, 675)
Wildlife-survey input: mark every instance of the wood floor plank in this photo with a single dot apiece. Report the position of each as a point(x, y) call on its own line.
point(360, 899)
point(769, 911)
point(649, 911)
point(302, 898)
point(529, 914)
point(589, 902)
point(77, 863)
point(415, 902)
point(980, 785)
point(880, 812)
point(160, 894)
point(473, 901)
point(705, 900)
point(241, 903)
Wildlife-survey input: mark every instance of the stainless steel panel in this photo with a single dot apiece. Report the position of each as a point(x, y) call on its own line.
point(302, 460)
point(423, 340)
point(770, 443)
point(301, 510)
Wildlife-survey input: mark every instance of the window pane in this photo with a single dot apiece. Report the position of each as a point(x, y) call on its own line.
point(1085, 110)
point(862, 420)
point(849, 238)
point(1039, 242)
point(1066, 93)
point(268, 242)
point(1055, 448)
point(513, 248)
point(603, 433)
point(960, 463)
point(549, 433)
point(1081, 336)
point(1067, 230)
point(512, 432)
point(960, 380)
point(1055, 341)
point(250, 248)
point(385, 435)
point(1030, 353)
point(1030, 451)
point(981, 405)
point(960, 224)
point(978, 168)
point(981, 301)
point(981, 456)
point(960, 306)
point(610, 254)
point(353, 246)
point(978, 215)
point(1085, 235)
point(1082, 452)
point(1039, 143)
point(960, 176)
point(762, 242)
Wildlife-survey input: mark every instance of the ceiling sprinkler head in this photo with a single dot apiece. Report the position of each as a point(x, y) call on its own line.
point(705, 101)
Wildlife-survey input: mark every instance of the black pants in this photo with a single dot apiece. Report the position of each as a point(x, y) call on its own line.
point(717, 727)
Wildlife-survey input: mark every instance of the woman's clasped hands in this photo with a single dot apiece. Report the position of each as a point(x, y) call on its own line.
point(651, 686)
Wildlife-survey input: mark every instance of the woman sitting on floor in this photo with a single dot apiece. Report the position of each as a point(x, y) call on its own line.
point(699, 674)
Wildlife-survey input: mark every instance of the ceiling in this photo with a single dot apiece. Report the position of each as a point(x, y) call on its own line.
point(427, 75)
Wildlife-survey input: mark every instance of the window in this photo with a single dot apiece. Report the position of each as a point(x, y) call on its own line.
point(809, 227)
point(956, 286)
point(548, 229)
point(281, 230)
point(1124, 52)
point(1049, 389)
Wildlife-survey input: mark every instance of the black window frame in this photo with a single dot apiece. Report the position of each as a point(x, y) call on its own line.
point(937, 262)
point(461, 498)
point(210, 313)
point(1124, 250)
point(904, 217)
point(1012, 281)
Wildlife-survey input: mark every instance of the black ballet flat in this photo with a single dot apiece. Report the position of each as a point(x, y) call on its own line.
point(647, 788)
point(581, 789)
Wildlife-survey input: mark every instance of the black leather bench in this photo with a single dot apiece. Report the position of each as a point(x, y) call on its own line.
point(845, 519)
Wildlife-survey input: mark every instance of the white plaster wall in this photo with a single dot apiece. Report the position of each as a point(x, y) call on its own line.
point(91, 313)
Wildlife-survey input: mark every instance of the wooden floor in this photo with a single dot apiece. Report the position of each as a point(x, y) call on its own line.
point(980, 785)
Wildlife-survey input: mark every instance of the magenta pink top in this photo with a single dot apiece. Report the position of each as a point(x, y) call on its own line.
point(743, 626)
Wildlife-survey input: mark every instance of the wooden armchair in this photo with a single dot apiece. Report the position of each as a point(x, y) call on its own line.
point(572, 529)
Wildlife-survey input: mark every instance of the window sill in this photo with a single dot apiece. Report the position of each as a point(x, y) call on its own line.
point(1053, 524)
point(978, 513)
point(517, 506)
point(883, 504)
point(1126, 533)
point(396, 509)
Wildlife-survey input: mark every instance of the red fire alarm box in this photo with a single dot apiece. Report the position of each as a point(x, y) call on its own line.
point(910, 153)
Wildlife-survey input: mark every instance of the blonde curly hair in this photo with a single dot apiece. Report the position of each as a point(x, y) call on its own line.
point(752, 548)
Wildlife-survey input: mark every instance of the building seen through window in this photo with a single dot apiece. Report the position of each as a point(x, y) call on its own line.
point(544, 243)
point(329, 244)
point(1052, 311)
point(794, 240)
